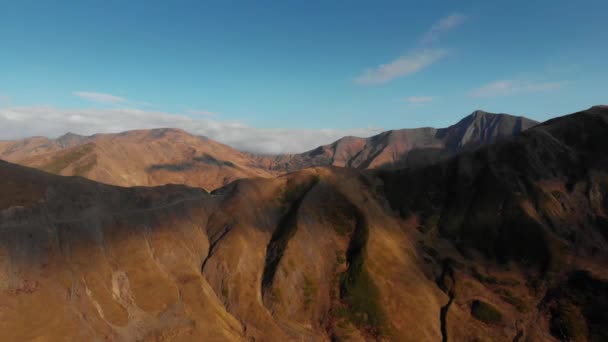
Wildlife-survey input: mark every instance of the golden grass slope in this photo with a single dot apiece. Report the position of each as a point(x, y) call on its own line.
point(137, 158)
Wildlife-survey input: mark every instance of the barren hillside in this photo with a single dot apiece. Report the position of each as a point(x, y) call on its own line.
point(142, 158)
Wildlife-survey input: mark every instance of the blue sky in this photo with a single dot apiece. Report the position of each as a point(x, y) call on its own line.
point(344, 67)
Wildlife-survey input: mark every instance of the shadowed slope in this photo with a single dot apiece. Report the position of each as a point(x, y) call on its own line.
point(538, 201)
point(400, 148)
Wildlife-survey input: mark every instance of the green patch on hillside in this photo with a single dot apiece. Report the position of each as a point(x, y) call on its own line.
point(310, 291)
point(485, 312)
point(60, 162)
point(358, 289)
point(276, 296)
point(363, 301)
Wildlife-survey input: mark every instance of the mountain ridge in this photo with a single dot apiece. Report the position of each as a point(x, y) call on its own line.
point(393, 146)
point(172, 155)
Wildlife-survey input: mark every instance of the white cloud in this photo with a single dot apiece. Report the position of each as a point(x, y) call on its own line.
point(415, 60)
point(445, 24)
point(19, 122)
point(510, 87)
point(545, 86)
point(503, 87)
point(419, 99)
point(402, 66)
point(99, 97)
point(201, 113)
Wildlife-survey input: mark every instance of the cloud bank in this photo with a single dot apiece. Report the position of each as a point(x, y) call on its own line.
point(20, 122)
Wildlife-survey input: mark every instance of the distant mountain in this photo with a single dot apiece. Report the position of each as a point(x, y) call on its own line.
point(409, 147)
point(34, 146)
point(164, 156)
point(140, 157)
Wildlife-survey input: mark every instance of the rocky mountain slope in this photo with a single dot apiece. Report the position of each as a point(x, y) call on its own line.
point(534, 205)
point(268, 259)
point(164, 156)
point(409, 147)
point(507, 242)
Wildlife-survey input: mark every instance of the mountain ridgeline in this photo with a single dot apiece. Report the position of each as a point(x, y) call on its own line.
point(505, 238)
point(164, 156)
point(137, 158)
point(409, 147)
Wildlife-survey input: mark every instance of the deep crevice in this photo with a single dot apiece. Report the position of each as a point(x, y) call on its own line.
point(446, 283)
point(213, 244)
point(357, 287)
point(443, 318)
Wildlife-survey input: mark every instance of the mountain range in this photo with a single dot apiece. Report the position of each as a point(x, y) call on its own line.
point(164, 156)
point(405, 147)
point(495, 228)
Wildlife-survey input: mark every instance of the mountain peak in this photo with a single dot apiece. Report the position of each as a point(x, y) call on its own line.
point(481, 127)
point(601, 108)
point(70, 139)
point(480, 112)
point(154, 132)
point(169, 130)
point(70, 135)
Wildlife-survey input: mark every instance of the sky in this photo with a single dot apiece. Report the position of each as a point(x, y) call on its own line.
point(286, 76)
